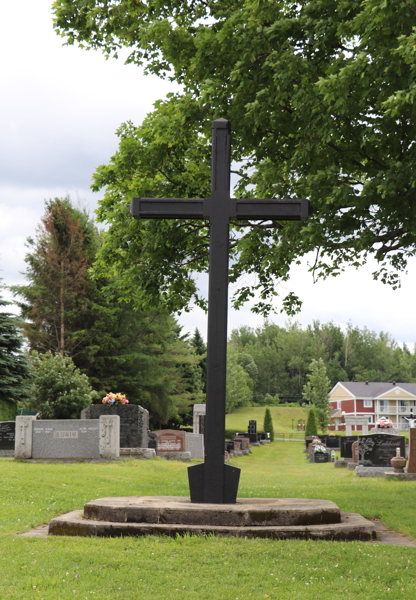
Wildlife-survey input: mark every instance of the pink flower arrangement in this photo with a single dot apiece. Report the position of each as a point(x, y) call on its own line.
point(384, 423)
point(114, 399)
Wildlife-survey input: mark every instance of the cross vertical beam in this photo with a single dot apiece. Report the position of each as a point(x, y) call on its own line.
point(213, 481)
point(214, 470)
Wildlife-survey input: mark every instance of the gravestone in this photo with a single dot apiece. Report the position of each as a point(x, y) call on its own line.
point(134, 422)
point(195, 443)
point(245, 442)
point(7, 435)
point(237, 446)
point(346, 446)
point(252, 427)
point(320, 457)
point(355, 451)
point(377, 450)
point(212, 481)
point(331, 441)
point(411, 462)
point(199, 418)
point(68, 438)
point(152, 443)
point(171, 440)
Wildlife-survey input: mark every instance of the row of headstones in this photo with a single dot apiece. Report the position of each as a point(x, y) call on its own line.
point(371, 450)
point(89, 439)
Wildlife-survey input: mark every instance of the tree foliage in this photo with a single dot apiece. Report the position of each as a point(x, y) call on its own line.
point(59, 389)
point(321, 97)
point(239, 385)
point(316, 392)
point(13, 364)
point(120, 348)
point(56, 300)
point(282, 356)
point(311, 428)
point(268, 424)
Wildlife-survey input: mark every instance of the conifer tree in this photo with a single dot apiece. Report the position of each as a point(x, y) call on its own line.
point(200, 348)
point(311, 423)
point(268, 424)
point(14, 371)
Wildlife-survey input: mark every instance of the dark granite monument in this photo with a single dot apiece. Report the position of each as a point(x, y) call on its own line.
point(377, 450)
point(134, 422)
point(346, 446)
point(7, 435)
point(212, 481)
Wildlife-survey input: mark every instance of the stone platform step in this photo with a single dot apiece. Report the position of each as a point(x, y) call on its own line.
point(181, 511)
point(352, 527)
point(250, 517)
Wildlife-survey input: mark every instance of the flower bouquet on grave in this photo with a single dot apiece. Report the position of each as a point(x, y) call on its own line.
point(319, 448)
point(383, 423)
point(113, 399)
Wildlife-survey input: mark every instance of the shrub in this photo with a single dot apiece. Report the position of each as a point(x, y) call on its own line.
point(311, 428)
point(268, 424)
point(60, 390)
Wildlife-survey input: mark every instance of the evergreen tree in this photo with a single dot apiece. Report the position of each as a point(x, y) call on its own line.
point(119, 348)
point(311, 428)
point(14, 371)
point(268, 424)
point(316, 391)
point(200, 348)
point(56, 301)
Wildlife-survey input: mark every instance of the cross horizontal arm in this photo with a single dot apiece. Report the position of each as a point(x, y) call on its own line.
point(167, 208)
point(282, 210)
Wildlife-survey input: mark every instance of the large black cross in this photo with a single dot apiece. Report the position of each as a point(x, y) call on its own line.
point(213, 481)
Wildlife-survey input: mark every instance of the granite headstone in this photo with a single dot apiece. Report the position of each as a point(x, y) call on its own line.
point(7, 435)
point(378, 449)
point(134, 422)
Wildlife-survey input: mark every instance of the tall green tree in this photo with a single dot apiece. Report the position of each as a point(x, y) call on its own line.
point(311, 428)
point(198, 344)
point(321, 97)
point(14, 373)
point(239, 384)
point(56, 299)
point(119, 348)
point(316, 392)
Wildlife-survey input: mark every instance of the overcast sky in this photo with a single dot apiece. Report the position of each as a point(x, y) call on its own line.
point(59, 109)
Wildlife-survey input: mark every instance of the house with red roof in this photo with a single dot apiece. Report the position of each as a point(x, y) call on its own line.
point(393, 400)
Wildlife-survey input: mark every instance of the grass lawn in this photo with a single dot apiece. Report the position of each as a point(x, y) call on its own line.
point(283, 418)
point(199, 568)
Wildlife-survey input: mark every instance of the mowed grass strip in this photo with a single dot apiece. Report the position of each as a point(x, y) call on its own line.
point(283, 419)
point(199, 568)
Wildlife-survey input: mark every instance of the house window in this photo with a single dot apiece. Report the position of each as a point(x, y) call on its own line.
point(383, 406)
point(403, 406)
point(368, 404)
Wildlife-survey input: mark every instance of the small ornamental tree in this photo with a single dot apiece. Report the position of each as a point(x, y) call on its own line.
point(60, 390)
point(268, 424)
point(311, 428)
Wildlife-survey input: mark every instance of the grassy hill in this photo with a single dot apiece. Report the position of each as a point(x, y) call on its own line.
point(283, 419)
